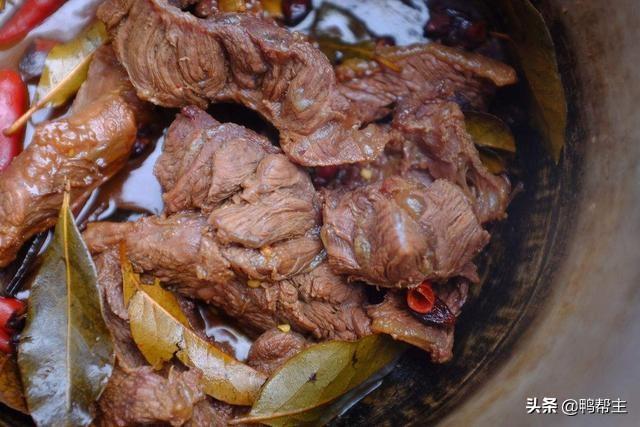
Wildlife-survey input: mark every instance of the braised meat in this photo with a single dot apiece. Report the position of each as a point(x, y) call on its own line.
point(397, 232)
point(87, 148)
point(435, 139)
point(430, 71)
point(142, 396)
point(203, 162)
point(181, 250)
point(394, 318)
point(114, 312)
point(271, 349)
point(244, 59)
point(263, 209)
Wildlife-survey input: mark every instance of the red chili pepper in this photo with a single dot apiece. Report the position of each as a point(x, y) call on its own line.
point(5, 342)
point(10, 309)
point(427, 307)
point(29, 16)
point(13, 103)
point(422, 298)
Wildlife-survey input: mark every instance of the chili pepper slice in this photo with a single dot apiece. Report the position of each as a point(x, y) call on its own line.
point(427, 307)
point(422, 298)
point(10, 309)
point(13, 103)
point(29, 16)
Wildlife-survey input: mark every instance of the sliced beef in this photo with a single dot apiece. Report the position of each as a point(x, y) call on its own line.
point(431, 71)
point(115, 314)
point(393, 317)
point(107, 76)
point(434, 138)
point(263, 209)
point(273, 348)
point(86, 149)
point(278, 203)
point(398, 232)
point(212, 413)
point(204, 162)
point(179, 60)
point(180, 250)
point(142, 396)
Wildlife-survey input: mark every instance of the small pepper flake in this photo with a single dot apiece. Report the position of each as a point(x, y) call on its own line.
point(286, 328)
point(366, 173)
point(253, 284)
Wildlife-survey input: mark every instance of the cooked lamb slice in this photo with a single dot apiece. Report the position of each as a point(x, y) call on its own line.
point(273, 348)
point(175, 59)
point(436, 140)
point(397, 233)
point(431, 71)
point(393, 317)
point(141, 396)
point(180, 250)
point(86, 149)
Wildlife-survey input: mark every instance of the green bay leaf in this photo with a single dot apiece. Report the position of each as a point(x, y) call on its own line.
point(307, 383)
point(161, 331)
point(65, 353)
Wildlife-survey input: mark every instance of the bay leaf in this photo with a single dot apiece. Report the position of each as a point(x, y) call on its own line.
point(495, 163)
point(162, 331)
point(65, 69)
point(66, 66)
point(232, 5)
point(317, 376)
point(65, 352)
point(533, 46)
point(489, 131)
point(11, 393)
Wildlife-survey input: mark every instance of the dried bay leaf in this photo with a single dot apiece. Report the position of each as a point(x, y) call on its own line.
point(533, 46)
point(66, 66)
point(162, 331)
point(65, 353)
point(65, 70)
point(488, 131)
point(317, 376)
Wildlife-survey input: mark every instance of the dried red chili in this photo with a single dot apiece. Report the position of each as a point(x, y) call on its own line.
point(13, 103)
point(427, 307)
point(10, 310)
point(422, 298)
point(29, 16)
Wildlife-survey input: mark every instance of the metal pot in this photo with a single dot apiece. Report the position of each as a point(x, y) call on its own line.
point(558, 315)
